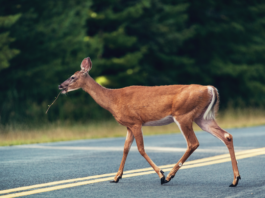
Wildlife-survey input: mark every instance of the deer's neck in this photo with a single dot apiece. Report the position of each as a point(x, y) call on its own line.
point(100, 94)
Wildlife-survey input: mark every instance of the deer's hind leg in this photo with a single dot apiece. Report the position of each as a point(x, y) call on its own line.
point(212, 127)
point(127, 146)
point(185, 125)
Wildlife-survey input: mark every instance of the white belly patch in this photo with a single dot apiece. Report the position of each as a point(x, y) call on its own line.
point(164, 121)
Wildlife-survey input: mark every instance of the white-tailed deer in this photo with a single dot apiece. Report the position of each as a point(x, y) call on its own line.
point(138, 106)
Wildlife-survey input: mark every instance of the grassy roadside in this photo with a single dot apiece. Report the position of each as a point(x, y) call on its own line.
point(15, 135)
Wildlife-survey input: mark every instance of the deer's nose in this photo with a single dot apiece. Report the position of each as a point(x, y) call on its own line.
point(60, 87)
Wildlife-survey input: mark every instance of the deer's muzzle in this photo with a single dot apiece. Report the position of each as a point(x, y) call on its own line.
point(62, 88)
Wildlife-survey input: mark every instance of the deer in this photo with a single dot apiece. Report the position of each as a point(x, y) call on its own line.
point(138, 106)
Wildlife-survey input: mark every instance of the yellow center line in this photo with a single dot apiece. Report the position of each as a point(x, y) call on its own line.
point(203, 164)
point(190, 164)
point(55, 188)
point(222, 160)
point(200, 160)
point(55, 183)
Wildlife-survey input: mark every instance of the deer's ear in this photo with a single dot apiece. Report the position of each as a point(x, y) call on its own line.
point(86, 65)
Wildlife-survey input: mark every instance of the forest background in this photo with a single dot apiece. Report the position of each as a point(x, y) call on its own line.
point(130, 42)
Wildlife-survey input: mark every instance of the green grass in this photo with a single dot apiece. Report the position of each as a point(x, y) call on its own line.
point(23, 134)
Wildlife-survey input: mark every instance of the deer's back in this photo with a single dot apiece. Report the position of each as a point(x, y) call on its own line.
point(141, 104)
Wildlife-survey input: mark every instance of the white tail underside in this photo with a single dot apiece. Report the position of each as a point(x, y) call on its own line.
point(209, 113)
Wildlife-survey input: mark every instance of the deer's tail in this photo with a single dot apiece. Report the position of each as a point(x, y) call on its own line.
point(214, 104)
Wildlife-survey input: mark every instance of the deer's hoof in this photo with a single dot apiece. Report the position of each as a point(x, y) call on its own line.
point(237, 179)
point(113, 181)
point(162, 178)
point(166, 181)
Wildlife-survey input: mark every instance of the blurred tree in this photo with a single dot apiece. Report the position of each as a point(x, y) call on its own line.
point(181, 42)
point(50, 36)
point(131, 42)
point(5, 52)
point(228, 49)
point(138, 41)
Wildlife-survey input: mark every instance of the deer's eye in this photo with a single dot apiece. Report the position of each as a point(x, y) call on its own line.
point(72, 78)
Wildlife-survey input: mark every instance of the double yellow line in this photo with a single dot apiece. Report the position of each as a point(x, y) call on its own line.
point(51, 186)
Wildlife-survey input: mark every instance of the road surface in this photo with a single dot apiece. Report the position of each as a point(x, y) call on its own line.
point(84, 168)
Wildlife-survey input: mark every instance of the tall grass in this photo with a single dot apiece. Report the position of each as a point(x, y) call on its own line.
point(15, 134)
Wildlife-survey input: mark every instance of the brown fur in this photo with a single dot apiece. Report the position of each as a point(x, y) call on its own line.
point(135, 105)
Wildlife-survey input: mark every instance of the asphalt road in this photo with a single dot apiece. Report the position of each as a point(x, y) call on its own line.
point(28, 165)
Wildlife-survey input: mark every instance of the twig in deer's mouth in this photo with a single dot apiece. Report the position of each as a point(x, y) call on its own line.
point(53, 102)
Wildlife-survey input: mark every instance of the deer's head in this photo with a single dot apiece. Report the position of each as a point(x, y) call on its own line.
point(76, 80)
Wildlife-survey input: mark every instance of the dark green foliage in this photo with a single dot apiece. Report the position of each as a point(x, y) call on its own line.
point(49, 35)
point(228, 47)
point(140, 41)
point(5, 52)
point(183, 42)
point(131, 42)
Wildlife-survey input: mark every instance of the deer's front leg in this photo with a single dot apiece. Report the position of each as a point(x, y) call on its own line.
point(137, 132)
point(127, 146)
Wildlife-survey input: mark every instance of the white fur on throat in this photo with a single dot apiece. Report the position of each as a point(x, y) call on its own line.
point(72, 89)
